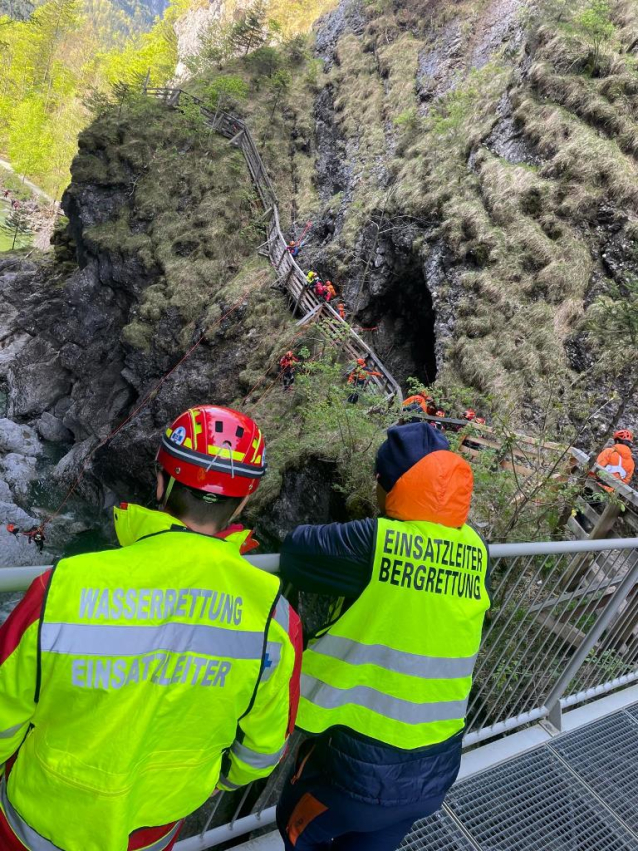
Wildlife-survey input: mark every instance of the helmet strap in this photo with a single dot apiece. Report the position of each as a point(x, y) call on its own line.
point(167, 492)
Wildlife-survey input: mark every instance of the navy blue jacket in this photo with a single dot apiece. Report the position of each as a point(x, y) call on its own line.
point(336, 559)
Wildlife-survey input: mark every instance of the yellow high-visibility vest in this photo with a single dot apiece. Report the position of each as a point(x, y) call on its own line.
point(149, 655)
point(397, 665)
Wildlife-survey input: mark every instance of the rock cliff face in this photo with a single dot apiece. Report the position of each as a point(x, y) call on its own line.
point(190, 29)
point(464, 156)
point(157, 276)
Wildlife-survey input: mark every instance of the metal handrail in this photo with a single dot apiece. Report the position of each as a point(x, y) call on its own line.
point(293, 277)
point(19, 578)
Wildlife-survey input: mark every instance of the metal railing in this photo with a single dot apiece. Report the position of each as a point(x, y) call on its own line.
point(563, 629)
point(288, 271)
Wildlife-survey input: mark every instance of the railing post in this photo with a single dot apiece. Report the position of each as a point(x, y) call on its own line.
point(552, 703)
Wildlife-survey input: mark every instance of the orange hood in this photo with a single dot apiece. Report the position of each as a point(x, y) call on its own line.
point(437, 489)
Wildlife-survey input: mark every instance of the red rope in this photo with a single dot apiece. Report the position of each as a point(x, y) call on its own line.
point(136, 411)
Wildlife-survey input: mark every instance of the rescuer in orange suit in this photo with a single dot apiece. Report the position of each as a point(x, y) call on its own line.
point(617, 459)
point(421, 402)
point(359, 378)
point(287, 369)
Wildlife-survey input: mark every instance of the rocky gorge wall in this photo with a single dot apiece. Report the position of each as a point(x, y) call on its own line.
point(477, 186)
point(465, 199)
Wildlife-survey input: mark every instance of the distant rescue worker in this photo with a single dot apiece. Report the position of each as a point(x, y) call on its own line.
point(359, 378)
point(342, 310)
point(320, 290)
point(332, 293)
point(36, 535)
point(440, 414)
point(287, 369)
point(618, 459)
point(385, 686)
point(13, 529)
point(293, 249)
point(134, 682)
point(311, 278)
point(469, 415)
point(419, 403)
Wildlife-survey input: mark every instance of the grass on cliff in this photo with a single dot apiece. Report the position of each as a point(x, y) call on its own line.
point(275, 89)
point(520, 235)
point(191, 217)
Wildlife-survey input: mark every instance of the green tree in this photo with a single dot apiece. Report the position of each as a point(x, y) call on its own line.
point(215, 48)
point(16, 225)
point(264, 61)
point(251, 30)
point(594, 22)
point(53, 22)
point(227, 92)
point(29, 137)
point(279, 84)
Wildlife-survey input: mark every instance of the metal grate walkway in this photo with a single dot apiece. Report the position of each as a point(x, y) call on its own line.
point(577, 792)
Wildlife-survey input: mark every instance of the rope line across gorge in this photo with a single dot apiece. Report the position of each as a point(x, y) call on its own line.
point(149, 396)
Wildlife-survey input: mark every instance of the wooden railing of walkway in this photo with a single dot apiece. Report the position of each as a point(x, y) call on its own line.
point(288, 271)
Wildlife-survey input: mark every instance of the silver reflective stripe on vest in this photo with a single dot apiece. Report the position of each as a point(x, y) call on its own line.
point(26, 834)
point(6, 734)
point(224, 781)
point(282, 613)
point(256, 759)
point(329, 697)
point(424, 667)
point(101, 640)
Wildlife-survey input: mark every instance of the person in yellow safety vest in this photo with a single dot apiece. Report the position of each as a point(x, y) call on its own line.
point(385, 685)
point(135, 682)
point(618, 459)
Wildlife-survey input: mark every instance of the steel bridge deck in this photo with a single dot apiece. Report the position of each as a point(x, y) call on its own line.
point(576, 792)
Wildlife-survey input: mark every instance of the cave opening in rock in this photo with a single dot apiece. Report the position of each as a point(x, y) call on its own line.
point(404, 315)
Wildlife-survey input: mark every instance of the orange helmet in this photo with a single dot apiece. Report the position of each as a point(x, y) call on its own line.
point(361, 361)
point(480, 420)
point(470, 414)
point(440, 414)
point(289, 354)
point(624, 434)
point(215, 450)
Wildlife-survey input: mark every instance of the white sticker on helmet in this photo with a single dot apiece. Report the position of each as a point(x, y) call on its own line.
point(178, 436)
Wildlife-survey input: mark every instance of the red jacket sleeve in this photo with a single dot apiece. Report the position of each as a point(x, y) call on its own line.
point(19, 666)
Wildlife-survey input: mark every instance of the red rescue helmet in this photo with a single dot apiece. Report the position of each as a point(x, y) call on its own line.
point(480, 420)
point(361, 361)
point(215, 450)
point(624, 434)
point(440, 414)
point(470, 414)
point(289, 354)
